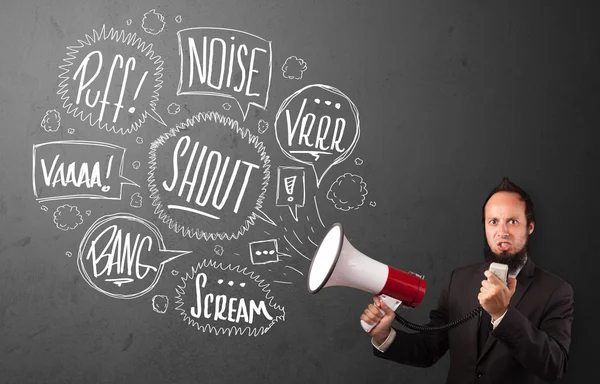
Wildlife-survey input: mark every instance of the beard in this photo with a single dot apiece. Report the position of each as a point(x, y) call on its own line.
point(514, 261)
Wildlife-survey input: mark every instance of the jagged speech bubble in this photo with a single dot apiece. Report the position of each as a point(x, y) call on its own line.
point(227, 63)
point(208, 177)
point(111, 79)
point(317, 125)
point(73, 169)
point(207, 303)
point(123, 256)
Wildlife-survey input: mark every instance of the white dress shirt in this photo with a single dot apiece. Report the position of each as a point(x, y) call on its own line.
point(392, 336)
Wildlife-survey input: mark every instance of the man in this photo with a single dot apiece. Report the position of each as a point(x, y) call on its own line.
point(524, 331)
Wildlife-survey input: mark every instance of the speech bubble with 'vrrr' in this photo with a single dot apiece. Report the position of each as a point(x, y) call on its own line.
point(74, 169)
point(227, 63)
point(317, 125)
point(111, 79)
point(123, 256)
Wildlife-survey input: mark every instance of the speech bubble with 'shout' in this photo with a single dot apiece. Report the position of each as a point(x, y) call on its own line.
point(73, 169)
point(111, 79)
point(208, 177)
point(123, 256)
point(317, 125)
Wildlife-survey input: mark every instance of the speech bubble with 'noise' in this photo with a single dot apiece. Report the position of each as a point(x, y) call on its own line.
point(123, 256)
point(227, 63)
point(111, 79)
point(78, 169)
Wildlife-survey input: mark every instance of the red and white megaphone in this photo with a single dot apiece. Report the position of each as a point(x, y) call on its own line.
point(337, 263)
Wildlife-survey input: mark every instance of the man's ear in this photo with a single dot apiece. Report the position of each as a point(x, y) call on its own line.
point(531, 226)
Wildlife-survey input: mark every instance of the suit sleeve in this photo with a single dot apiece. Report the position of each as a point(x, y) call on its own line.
point(543, 351)
point(421, 349)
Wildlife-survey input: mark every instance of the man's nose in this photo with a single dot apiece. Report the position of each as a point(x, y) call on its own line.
point(503, 230)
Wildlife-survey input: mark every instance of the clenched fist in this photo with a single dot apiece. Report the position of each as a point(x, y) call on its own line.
point(378, 312)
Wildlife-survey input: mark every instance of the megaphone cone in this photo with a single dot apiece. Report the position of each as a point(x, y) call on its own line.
point(337, 263)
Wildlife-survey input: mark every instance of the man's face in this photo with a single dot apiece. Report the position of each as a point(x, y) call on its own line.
point(506, 229)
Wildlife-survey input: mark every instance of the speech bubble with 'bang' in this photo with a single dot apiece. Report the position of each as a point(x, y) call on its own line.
point(111, 79)
point(123, 256)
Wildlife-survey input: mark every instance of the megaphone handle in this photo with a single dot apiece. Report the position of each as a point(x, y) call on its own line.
point(390, 302)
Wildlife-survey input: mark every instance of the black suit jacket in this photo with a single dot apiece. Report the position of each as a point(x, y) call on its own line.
point(530, 345)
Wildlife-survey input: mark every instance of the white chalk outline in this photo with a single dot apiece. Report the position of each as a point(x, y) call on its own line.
point(284, 70)
point(159, 241)
point(340, 158)
point(135, 197)
point(130, 39)
point(287, 266)
point(300, 253)
point(154, 307)
point(261, 242)
point(85, 195)
point(236, 330)
point(208, 93)
point(293, 211)
point(164, 216)
point(44, 119)
point(160, 17)
point(58, 209)
point(317, 209)
point(363, 185)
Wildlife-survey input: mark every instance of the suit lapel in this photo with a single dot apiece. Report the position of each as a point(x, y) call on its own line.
point(474, 288)
point(523, 281)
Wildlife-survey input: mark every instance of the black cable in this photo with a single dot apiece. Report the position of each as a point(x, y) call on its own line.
point(424, 328)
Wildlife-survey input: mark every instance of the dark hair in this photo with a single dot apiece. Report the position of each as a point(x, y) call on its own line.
point(508, 186)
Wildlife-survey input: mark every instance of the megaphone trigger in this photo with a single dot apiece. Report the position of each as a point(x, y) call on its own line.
point(390, 302)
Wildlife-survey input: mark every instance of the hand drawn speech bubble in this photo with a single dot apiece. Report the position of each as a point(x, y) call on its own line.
point(123, 256)
point(291, 189)
point(208, 177)
point(111, 79)
point(209, 304)
point(227, 63)
point(317, 125)
point(74, 169)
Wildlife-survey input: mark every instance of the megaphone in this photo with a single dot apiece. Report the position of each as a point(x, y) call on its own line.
point(337, 263)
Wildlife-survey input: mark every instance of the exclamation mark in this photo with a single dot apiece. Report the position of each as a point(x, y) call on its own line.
point(106, 188)
point(137, 91)
point(289, 182)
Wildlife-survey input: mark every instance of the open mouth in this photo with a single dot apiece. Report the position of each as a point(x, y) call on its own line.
point(503, 245)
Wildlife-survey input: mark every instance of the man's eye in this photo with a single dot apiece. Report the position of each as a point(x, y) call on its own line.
point(492, 221)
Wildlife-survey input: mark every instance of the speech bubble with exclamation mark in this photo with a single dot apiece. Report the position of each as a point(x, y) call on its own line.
point(78, 169)
point(291, 189)
point(111, 79)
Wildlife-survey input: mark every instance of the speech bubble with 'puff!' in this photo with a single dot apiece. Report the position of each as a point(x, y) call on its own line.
point(111, 79)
